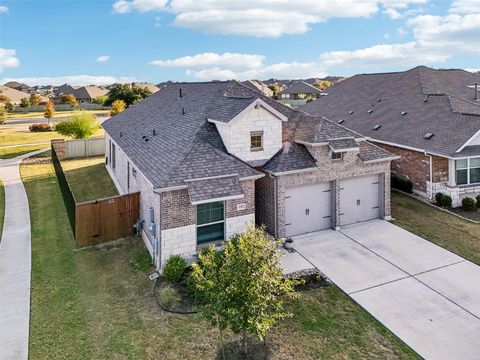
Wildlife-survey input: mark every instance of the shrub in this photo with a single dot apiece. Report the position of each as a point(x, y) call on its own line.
point(80, 125)
point(117, 107)
point(443, 200)
point(477, 198)
point(40, 128)
point(174, 268)
point(402, 184)
point(468, 204)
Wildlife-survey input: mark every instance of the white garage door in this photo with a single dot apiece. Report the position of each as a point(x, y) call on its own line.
point(308, 208)
point(360, 199)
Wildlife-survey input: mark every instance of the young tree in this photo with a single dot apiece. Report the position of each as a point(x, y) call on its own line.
point(69, 99)
point(322, 84)
point(101, 100)
point(24, 104)
point(248, 304)
point(35, 99)
point(80, 125)
point(49, 110)
point(117, 107)
point(3, 113)
point(276, 88)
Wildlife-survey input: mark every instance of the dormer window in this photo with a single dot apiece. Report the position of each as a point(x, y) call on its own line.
point(256, 141)
point(337, 155)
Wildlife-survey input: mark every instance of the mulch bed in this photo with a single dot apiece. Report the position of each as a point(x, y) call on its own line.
point(472, 215)
point(174, 297)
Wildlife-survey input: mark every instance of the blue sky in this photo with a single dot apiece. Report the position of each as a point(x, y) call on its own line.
point(84, 42)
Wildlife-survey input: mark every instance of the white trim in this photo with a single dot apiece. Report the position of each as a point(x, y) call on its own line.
point(253, 104)
point(343, 150)
point(292, 171)
point(253, 177)
point(171, 188)
point(391, 158)
point(311, 144)
point(225, 198)
point(211, 177)
point(468, 142)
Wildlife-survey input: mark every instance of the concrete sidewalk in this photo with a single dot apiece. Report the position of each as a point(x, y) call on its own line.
point(15, 263)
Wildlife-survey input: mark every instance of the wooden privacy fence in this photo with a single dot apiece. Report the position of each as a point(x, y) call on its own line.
point(96, 221)
point(106, 219)
point(84, 148)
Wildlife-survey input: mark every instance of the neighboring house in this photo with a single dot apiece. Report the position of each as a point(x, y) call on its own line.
point(298, 93)
point(148, 86)
point(431, 118)
point(20, 87)
point(211, 158)
point(15, 96)
point(87, 94)
point(258, 86)
point(65, 89)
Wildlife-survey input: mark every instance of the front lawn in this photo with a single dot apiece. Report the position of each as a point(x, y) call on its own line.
point(448, 231)
point(88, 178)
point(19, 135)
point(93, 304)
point(58, 114)
point(8, 153)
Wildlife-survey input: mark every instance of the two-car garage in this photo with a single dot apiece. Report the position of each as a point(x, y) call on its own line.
point(312, 208)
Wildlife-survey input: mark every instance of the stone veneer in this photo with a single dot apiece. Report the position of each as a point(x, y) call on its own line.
point(329, 170)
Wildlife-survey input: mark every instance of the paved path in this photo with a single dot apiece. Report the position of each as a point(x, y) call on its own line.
point(15, 263)
point(426, 295)
point(22, 145)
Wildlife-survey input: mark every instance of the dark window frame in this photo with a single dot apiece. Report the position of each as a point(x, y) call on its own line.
point(213, 221)
point(256, 141)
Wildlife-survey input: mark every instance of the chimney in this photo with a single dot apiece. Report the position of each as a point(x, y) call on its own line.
point(476, 92)
point(180, 93)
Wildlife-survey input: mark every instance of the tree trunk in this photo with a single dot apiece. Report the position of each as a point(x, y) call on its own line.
point(221, 341)
point(245, 342)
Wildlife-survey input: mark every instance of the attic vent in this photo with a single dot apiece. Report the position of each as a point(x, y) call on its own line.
point(153, 132)
point(350, 112)
point(428, 136)
point(121, 134)
point(180, 93)
point(376, 127)
point(403, 113)
point(144, 137)
point(378, 100)
point(183, 110)
point(370, 111)
point(341, 121)
point(425, 99)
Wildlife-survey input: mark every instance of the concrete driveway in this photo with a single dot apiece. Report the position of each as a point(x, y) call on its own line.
point(426, 295)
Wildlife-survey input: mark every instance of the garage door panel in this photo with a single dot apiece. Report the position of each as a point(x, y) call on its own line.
point(360, 199)
point(308, 208)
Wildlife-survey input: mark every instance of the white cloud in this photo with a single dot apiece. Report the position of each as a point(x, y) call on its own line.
point(8, 59)
point(260, 18)
point(465, 7)
point(3, 9)
point(473, 70)
point(77, 80)
point(232, 60)
point(103, 58)
point(393, 14)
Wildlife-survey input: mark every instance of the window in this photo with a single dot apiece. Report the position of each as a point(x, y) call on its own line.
point(210, 222)
point(113, 156)
point(151, 222)
point(337, 155)
point(256, 140)
point(467, 171)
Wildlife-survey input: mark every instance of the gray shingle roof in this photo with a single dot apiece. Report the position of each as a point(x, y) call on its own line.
point(301, 87)
point(343, 144)
point(296, 158)
point(435, 101)
point(218, 188)
point(371, 152)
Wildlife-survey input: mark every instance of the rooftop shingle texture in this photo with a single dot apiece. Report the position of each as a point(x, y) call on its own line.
point(370, 152)
point(390, 94)
point(210, 189)
point(15, 96)
point(343, 144)
point(296, 158)
point(320, 130)
point(301, 87)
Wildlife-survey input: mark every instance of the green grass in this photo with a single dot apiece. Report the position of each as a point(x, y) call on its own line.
point(448, 231)
point(21, 135)
point(58, 114)
point(2, 207)
point(88, 178)
point(94, 304)
point(8, 153)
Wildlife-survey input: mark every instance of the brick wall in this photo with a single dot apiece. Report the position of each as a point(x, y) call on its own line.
point(415, 166)
point(176, 209)
point(248, 187)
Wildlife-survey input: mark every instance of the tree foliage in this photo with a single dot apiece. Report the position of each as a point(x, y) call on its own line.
point(6, 103)
point(49, 110)
point(117, 107)
point(80, 125)
point(130, 94)
point(101, 100)
point(248, 304)
point(3, 113)
point(276, 88)
point(322, 84)
point(24, 103)
point(35, 99)
point(69, 99)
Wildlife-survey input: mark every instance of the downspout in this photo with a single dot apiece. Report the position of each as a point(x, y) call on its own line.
point(275, 203)
point(431, 175)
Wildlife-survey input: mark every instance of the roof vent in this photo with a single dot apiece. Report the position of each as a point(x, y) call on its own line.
point(403, 113)
point(370, 111)
point(350, 112)
point(378, 100)
point(183, 110)
point(146, 139)
point(180, 93)
point(341, 121)
point(121, 134)
point(476, 92)
point(428, 136)
point(153, 132)
point(286, 147)
point(376, 127)
point(425, 99)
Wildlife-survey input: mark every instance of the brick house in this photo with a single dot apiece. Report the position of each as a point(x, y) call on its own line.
point(211, 158)
point(429, 118)
point(298, 93)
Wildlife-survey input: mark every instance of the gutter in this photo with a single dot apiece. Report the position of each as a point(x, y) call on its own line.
point(431, 174)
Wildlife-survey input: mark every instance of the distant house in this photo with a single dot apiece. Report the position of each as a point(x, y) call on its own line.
point(20, 87)
point(15, 96)
point(87, 94)
point(429, 117)
point(298, 94)
point(148, 86)
point(259, 86)
point(65, 89)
